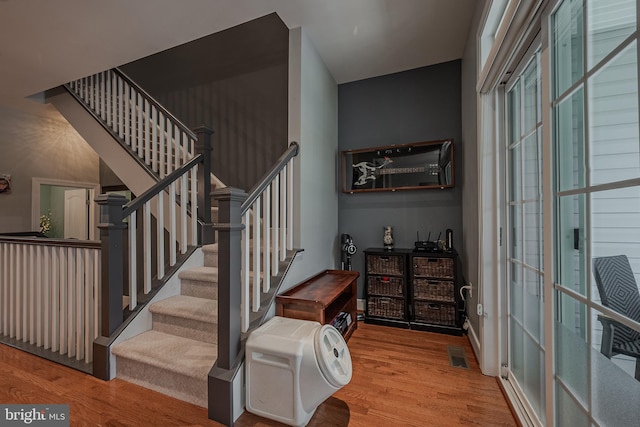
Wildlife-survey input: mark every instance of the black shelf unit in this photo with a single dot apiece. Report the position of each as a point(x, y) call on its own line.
point(417, 290)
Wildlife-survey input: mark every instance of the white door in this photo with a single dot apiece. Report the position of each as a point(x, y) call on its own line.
point(76, 214)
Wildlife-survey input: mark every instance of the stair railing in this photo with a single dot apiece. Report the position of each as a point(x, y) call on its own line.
point(49, 297)
point(267, 215)
point(128, 260)
point(140, 122)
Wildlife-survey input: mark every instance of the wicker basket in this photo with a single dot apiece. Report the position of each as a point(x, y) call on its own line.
point(385, 264)
point(385, 307)
point(436, 290)
point(439, 314)
point(382, 285)
point(433, 267)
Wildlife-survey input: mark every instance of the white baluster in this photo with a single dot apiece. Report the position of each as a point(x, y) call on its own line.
point(71, 296)
point(244, 286)
point(79, 294)
point(146, 222)
point(172, 224)
point(283, 214)
point(160, 234)
point(266, 221)
point(46, 280)
point(256, 254)
point(29, 261)
point(194, 205)
point(39, 297)
point(55, 299)
point(162, 146)
point(147, 135)
point(63, 302)
point(126, 100)
point(120, 112)
point(275, 221)
point(108, 99)
point(290, 205)
point(133, 265)
point(183, 212)
point(154, 139)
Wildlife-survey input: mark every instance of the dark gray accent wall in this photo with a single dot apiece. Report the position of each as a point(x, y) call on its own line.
point(418, 105)
point(235, 82)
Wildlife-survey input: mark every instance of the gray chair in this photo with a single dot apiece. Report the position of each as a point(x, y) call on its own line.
point(619, 292)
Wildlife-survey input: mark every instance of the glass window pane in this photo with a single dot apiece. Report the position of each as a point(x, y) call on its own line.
point(532, 237)
point(515, 294)
point(534, 376)
point(567, 45)
point(615, 227)
point(569, 142)
point(610, 22)
point(533, 305)
point(571, 350)
point(613, 120)
point(516, 346)
point(568, 412)
point(514, 166)
point(531, 174)
point(530, 96)
point(513, 110)
point(615, 391)
point(515, 222)
point(571, 225)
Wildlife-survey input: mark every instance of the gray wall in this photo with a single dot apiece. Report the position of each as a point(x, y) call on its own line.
point(423, 104)
point(38, 145)
point(234, 81)
point(470, 224)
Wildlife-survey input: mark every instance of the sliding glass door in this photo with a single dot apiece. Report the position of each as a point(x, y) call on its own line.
point(524, 293)
point(595, 141)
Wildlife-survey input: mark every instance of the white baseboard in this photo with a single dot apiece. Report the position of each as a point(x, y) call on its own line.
point(475, 342)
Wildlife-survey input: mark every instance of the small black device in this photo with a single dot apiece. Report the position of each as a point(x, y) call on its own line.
point(449, 241)
point(425, 245)
point(348, 249)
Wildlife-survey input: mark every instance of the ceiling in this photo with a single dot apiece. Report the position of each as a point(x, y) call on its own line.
point(45, 43)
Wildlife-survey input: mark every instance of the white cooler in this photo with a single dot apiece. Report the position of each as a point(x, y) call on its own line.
point(293, 366)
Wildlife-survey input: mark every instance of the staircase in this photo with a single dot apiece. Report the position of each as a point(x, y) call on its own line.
point(175, 356)
point(168, 167)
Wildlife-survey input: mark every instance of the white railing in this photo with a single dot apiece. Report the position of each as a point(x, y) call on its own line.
point(152, 133)
point(174, 230)
point(49, 294)
point(267, 215)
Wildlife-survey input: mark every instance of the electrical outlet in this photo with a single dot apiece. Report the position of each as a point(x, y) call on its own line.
point(479, 310)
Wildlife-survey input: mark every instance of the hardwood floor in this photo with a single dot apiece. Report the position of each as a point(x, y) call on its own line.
point(400, 378)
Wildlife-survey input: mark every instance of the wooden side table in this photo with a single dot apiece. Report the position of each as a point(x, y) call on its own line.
point(322, 298)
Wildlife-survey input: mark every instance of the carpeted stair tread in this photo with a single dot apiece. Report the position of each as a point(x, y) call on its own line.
point(202, 274)
point(200, 309)
point(175, 354)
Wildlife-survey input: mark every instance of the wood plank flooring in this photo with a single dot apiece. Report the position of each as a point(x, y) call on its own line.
point(400, 378)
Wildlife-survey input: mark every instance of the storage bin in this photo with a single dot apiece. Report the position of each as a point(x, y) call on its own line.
point(433, 267)
point(436, 313)
point(385, 264)
point(392, 308)
point(436, 290)
point(383, 285)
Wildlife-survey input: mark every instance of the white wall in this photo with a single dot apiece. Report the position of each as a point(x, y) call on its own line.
point(313, 122)
point(38, 145)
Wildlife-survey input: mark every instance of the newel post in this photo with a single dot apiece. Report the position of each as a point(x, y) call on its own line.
point(112, 277)
point(229, 230)
point(203, 146)
point(221, 377)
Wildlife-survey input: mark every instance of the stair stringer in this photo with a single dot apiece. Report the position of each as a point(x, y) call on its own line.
point(142, 322)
